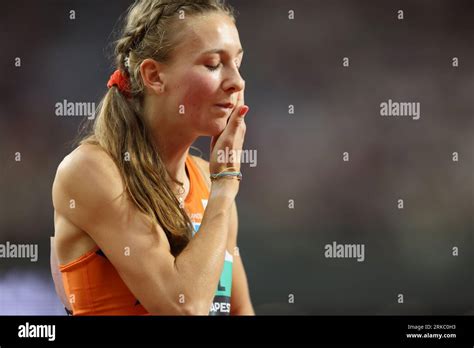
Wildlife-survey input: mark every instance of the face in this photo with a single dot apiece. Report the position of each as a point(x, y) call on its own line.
point(203, 79)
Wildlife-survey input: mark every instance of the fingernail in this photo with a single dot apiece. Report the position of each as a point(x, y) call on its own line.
point(243, 110)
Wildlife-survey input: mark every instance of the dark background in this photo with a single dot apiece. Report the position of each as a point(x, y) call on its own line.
point(296, 62)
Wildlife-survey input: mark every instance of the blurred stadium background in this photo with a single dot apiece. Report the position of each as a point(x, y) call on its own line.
point(297, 62)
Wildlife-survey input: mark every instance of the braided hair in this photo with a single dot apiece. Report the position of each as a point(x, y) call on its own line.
point(151, 30)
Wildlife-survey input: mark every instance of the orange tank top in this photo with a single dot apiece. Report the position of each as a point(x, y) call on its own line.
point(94, 287)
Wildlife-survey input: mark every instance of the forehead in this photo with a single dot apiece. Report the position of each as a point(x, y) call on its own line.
point(207, 32)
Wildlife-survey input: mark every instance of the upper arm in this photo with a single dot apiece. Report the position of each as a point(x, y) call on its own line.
point(90, 183)
point(56, 274)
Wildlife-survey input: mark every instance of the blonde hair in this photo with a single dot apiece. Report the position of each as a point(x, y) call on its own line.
point(151, 30)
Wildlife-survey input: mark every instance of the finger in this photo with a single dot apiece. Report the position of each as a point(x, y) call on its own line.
point(240, 98)
point(237, 118)
point(238, 103)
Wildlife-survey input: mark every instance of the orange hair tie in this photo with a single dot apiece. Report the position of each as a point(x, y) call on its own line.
point(121, 81)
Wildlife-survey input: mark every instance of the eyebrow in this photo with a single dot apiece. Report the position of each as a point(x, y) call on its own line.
point(220, 51)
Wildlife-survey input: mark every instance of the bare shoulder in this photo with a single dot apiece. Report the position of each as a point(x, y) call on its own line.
point(87, 171)
point(87, 158)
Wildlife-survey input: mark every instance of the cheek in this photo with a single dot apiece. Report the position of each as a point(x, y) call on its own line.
point(199, 92)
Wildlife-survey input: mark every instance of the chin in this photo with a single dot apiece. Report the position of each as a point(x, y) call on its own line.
point(216, 127)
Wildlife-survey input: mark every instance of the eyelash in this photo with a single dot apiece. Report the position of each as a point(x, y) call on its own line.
point(214, 68)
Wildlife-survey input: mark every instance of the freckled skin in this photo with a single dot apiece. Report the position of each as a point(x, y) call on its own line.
point(190, 83)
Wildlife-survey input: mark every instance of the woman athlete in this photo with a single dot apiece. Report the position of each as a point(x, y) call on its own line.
point(141, 226)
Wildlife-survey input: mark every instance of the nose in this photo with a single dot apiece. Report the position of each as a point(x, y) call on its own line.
point(233, 82)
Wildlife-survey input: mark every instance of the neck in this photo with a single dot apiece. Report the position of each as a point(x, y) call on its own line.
point(172, 141)
point(173, 152)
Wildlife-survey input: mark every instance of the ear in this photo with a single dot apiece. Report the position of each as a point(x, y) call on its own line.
point(152, 73)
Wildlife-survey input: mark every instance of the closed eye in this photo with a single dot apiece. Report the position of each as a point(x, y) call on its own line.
point(213, 67)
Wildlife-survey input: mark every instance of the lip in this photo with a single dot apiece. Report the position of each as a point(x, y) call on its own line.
point(226, 105)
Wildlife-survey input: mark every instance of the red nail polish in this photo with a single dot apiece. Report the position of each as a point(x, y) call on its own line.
point(243, 110)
